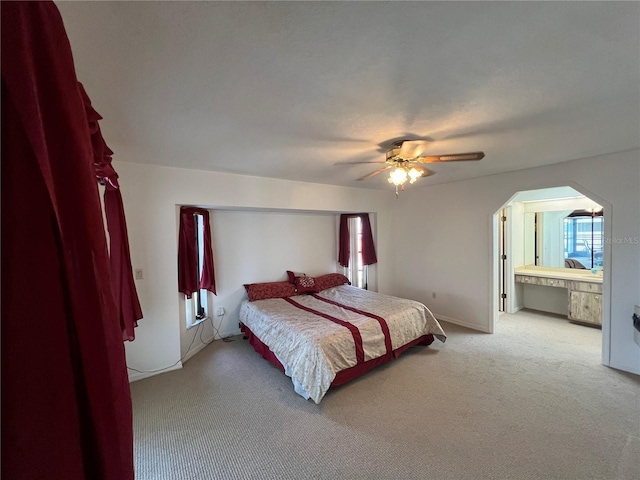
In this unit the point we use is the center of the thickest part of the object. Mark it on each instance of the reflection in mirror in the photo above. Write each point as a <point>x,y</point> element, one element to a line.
<point>583,239</point>
<point>564,238</point>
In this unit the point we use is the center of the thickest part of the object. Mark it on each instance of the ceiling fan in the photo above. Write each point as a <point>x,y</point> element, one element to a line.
<point>405,159</point>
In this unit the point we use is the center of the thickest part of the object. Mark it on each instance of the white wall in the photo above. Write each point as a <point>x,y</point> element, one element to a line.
<point>519,246</point>
<point>450,226</point>
<point>552,251</point>
<point>151,195</point>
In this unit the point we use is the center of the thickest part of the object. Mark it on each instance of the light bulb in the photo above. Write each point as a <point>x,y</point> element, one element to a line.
<point>398,176</point>
<point>414,174</point>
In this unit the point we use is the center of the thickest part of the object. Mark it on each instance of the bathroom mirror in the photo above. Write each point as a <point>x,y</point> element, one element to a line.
<point>564,238</point>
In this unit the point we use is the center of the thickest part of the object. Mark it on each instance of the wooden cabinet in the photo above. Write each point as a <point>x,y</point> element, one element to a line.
<point>585,303</point>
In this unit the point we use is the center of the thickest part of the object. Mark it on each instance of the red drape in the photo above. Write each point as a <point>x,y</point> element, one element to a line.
<point>121,273</point>
<point>368,247</point>
<point>122,282</point>
<point>66,405</point>
<point>208,280</point>
<point>187,262</point>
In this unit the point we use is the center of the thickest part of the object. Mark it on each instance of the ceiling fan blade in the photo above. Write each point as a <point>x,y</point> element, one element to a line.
<point>454,157</point>
<point>413,148</point>
<point>372,174</point>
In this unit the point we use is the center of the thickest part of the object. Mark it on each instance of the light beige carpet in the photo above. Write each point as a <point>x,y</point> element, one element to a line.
<point>529,402</point>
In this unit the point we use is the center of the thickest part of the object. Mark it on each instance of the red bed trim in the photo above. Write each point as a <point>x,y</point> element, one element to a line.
<point>355,333</point>
<point>343,376</point>
<point>379,319</point>
<point>260,347</point>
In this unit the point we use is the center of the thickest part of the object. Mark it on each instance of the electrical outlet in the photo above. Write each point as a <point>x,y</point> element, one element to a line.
<point>219,311</point>
<point>139,274</point>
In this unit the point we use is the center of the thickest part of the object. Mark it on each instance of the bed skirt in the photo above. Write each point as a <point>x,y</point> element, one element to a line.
<point>343,376</point>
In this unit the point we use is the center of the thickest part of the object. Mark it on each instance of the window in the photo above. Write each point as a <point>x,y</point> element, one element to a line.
<point>197,306</point>
<point>583,238</point>
<point>356,272</point>
<point>356,247</point>
<point>195,263</point>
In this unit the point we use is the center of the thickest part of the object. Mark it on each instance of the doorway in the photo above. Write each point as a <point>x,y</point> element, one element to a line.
<point>539,227</point>
<point>502,260</point>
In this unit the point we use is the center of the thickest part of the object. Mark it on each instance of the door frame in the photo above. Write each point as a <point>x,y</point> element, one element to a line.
<point>607,209</point>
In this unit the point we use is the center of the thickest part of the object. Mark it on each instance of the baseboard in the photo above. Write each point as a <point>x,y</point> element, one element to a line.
<point>462,323</point>
<point>135,376</point>
<point>518,308</point>
<point>192,352</point>
<point>626,368</point>
<point>231,333</point>
<point>202,345</point>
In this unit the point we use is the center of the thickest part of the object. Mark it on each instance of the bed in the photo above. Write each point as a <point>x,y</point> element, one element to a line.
<point>325,338</point>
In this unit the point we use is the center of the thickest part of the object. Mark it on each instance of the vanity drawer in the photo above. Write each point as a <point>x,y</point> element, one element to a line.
<point>544,281</point>
<point>552,282</point>
<point>526,279</point>
<point>586,287</point>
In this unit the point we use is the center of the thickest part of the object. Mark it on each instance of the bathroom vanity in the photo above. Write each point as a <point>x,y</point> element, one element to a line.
<point>583,289</point>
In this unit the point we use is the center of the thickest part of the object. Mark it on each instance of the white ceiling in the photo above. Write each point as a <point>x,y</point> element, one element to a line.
<point>292,89</point>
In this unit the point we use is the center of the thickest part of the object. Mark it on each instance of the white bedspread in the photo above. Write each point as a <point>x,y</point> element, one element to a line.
<point>313,349</point>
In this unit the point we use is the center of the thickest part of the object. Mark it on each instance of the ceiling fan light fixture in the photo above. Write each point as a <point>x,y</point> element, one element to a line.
<point>414,174</point>
<point>405,158</point>
<point>398,176</point>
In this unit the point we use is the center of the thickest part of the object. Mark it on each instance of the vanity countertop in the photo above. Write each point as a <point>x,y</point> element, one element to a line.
<point>577,274</point>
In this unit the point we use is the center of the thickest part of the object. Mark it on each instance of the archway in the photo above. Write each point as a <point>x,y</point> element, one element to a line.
<point>568,198</point>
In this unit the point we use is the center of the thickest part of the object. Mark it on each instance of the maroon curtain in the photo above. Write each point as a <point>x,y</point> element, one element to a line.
<point>344,241</point>
<point>66,405</point>
<point>121,272</point>
<point>208,280</point>
<point>122,283</point>
<point>368,247</point>
<point>187,254</point>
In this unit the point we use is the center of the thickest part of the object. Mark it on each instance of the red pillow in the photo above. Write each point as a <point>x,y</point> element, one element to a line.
<point>292,275</point>
<point>261,291</point>
<point>330,280</point>
<point>306,285</point>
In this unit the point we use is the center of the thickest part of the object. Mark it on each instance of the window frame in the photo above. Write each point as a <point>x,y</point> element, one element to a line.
<point>356,272</point>
<point>197,307</point>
